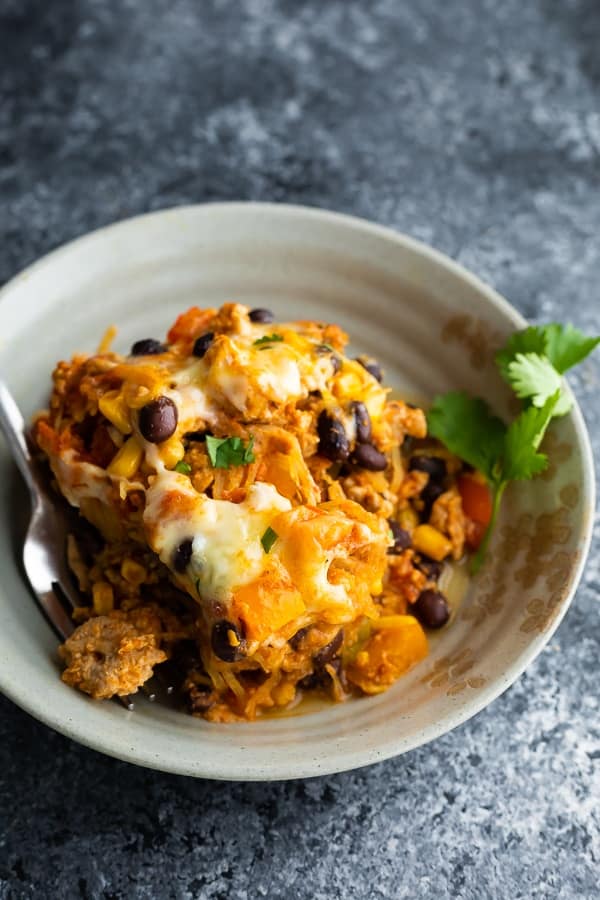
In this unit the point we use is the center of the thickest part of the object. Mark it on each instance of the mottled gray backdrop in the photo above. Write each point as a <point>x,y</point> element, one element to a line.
<point>473,125</point>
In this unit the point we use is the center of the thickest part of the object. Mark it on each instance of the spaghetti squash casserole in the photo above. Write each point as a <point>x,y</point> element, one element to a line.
<point>259,518</point>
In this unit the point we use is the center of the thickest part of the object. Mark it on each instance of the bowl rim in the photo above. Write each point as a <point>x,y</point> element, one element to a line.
<point>353,758</point>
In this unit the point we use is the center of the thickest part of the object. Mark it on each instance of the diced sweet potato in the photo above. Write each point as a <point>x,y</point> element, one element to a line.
<point>397,644</point>
<point>266,605</point>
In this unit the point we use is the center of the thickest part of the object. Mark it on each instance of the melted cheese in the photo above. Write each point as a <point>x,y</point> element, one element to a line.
<point>243,370</point>
<point>226,549</point>
<point>84,481</point>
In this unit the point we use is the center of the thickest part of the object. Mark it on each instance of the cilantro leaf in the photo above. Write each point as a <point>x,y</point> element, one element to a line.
<point>183,468</point>
<point>267,339</point>
<point>566,346</point>
<point>534,376</point>
<point>469,429</point>
<point>521,459</point>
<point>529,340</point>
<point>226,452</point>
<point>268,539</point>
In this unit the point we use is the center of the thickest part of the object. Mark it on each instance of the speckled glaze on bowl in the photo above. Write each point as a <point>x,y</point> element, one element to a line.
<point>434,327</point>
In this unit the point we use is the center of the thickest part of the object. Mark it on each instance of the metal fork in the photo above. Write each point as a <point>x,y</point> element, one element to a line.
<point>44,549</point>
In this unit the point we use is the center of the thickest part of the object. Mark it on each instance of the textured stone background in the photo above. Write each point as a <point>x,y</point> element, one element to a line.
<point>473,125</point>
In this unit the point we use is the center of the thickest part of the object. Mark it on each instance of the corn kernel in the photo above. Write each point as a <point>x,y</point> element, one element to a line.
<point>104,600</point>
<point>408,519</point>
<point>136,395</point>
<point>171,452</point>
<point>113,407</point>
<point>232,638</point>
<point>132,571</point>
<point>128,459</point>
<point>428,540</point>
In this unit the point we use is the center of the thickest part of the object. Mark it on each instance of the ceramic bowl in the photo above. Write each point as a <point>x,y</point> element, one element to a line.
<point>434,327</point>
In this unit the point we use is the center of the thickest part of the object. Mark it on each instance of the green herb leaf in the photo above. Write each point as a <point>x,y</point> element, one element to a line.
<point>268,539</point>
<point>267,339</point>
<point>529,340</point>
<point>566,346</point>
<point>469,429</point>
<point>533,376</point>
<point>324,348</point>
<point>523,437</point>
<point>226,452</point>
<point>183,468</point>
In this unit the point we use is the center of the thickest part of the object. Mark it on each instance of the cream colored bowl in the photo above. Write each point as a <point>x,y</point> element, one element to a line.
<point>434,327</point>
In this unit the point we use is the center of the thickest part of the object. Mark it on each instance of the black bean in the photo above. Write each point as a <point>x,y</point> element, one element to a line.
<point>202,343</point>
<point>148,347</point>
<point>431,609</point>
<point>182,555</point>
<point>297,638</point>
<point>429,495</point>
<point>261,315</point>
<point>333,440</point>
<point>368,457</point>
<point>199,436</point>
<point>372,367</point>
<point>362,420</point>
<point>326,653</point>
<point>221,643</point>
<point>433,465</point>
<point>430,567</point>
<point>158,420</point>
<point>326,656</point>
<point>401,537</point>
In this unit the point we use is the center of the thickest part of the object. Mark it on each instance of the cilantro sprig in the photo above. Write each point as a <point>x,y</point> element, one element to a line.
<point>231,451</point>
<point>533,362</point>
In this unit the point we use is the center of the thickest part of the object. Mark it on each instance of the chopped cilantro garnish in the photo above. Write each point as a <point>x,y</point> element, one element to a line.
<point>532,362</point>
<point>226,452</point>
<point>268,539</point>
<point>267,339</point>
<point>183,468</point>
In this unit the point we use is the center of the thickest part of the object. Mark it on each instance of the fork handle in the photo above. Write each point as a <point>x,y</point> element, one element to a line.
<point>12,426</point>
